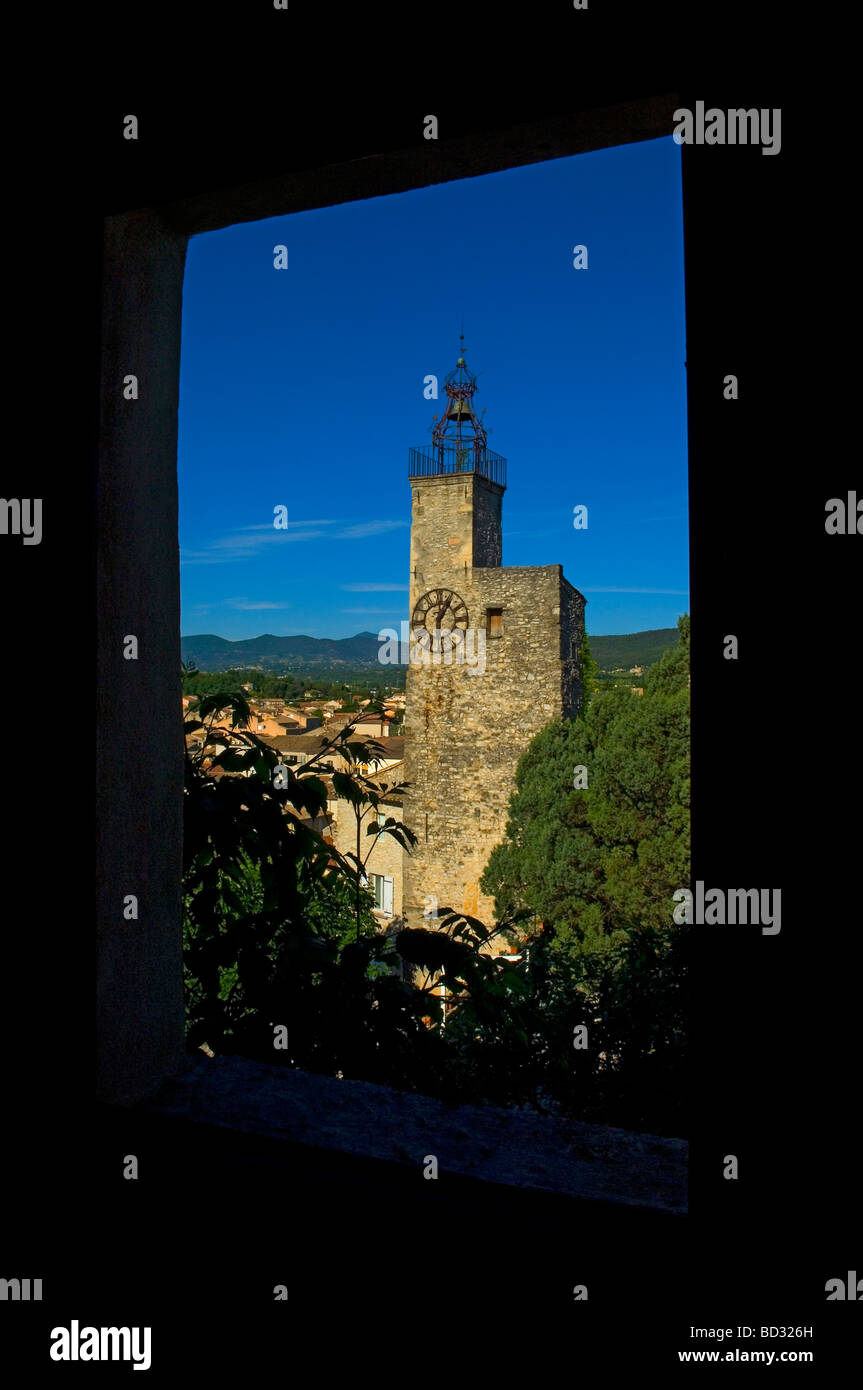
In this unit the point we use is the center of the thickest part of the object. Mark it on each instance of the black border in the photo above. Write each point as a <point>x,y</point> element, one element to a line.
<point>773,750</point>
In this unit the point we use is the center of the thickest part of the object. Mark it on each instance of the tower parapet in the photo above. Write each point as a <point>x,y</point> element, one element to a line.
<point>459,438</point>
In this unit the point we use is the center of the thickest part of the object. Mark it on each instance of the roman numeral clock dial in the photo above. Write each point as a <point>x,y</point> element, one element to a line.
<point>441,610</point>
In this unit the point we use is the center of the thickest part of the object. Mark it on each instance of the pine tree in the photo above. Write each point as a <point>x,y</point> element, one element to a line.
<point>596,862</point>
<point>589,675</point>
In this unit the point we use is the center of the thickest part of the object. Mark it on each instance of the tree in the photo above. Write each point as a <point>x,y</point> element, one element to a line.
<point>592,861</point>
<point>264,895</point>
<point>365,797</point>
<point>589,871</point>
<point>278,927</point>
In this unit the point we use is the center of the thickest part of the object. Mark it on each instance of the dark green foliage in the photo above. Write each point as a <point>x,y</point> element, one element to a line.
<point>267,901</point>
<point>591,862</point>
<point>589,675</point>
<point>591,873</point>
<point>278,927</point>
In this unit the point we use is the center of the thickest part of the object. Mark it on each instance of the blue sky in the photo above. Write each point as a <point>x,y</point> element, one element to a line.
<point>304,388</point>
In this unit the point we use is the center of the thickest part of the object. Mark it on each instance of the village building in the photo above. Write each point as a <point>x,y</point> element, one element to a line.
<point>385,863</point>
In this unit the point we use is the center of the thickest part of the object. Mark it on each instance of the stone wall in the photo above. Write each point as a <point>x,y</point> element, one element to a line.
<point>455,524</point>
<point>465,731</point>
<point>487,504</point>
<point>572,607</point>
<point>139,984</point>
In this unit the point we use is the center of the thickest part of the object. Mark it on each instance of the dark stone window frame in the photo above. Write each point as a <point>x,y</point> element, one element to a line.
<point>140,1009</point>
<point>494,623</point>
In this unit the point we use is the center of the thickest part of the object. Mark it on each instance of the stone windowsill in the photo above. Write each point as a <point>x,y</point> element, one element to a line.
<point>517,1149</point>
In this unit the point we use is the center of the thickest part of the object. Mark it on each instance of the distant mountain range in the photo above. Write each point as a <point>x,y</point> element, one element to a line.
<point>211,653</point>
<point>322,655</point>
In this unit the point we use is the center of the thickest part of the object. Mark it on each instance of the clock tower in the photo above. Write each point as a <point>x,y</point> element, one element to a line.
<point>495,656</point>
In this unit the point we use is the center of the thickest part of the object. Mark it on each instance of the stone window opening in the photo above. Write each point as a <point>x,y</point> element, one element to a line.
<point>382,887</point>
<point>494,622</point>
<point>141,1031</point>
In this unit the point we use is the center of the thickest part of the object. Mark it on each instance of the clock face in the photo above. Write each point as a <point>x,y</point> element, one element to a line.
<point>442,610</point>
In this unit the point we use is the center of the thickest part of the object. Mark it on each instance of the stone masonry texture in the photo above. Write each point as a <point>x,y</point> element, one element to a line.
<point>465,731</point>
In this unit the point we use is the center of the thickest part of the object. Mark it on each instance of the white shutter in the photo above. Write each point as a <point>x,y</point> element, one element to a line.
<point>388,896</point>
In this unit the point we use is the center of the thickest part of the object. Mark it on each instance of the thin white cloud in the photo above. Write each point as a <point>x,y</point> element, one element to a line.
<point>369,528</point>
<point>227,550</point>
<point>246,542</point>
<point>388,611</point>
<point>374,588</point>
<point>681,592</point>
<point>268,525</point>
<point>270,537</point>
<point>252,607</point>
<point>203,557</point>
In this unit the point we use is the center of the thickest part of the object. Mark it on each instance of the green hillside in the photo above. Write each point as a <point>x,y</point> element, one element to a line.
<point>631,648</point>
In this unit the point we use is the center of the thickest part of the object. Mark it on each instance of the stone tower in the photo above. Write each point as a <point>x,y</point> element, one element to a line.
<point>495,655</point>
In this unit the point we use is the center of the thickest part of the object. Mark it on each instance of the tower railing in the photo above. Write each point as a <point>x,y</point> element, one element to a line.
<point>430,460</point>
